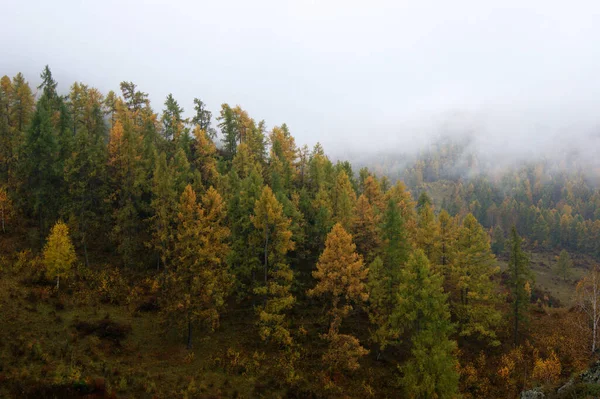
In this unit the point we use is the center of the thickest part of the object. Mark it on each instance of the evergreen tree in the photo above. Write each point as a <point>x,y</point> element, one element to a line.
<point>446,245</point>
<point>199,282</point>
<point>126,177</point>
<point>498,241</point>
<point>423,313</point>
<point>343,201</point>
<point>395,243</point>
<point>273,234</point>
<point>426,229</point>
<point>164,205</point>
<point>563,265</point>
<point>85,169</point>
<point>244,257</point>
<point>473,290</point>
<point>520,282</point>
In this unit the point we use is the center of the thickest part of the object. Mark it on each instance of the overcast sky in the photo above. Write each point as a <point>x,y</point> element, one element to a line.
<point>351,74</point>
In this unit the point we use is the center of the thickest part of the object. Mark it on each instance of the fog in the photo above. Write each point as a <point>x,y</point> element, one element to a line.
<point>519,77</point>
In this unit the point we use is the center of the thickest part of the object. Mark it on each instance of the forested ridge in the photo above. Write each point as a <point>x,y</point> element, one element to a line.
<point>148,254</point>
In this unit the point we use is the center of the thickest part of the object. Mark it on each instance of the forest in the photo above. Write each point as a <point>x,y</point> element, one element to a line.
<point>148,254</point>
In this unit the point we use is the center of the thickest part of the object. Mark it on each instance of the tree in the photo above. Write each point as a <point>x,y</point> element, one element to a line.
<point>396,247</point>
<point>85,169</point>
<point>422,312</point>
<point>588,301</point>
<point>383,299</point>
<point>426,228</point>
<point>520,281</point>
<point>126,177</point>
<point>498,241</point>
<point>164,205</point>
<point>343,199</point>
<point>204,157</point>
<point>245,256</point>
<point>341,278</point>
<point>367,233</point>
<point>563,265</point>
<point>172,120</point>
<point>6,208</point>
<point>59,253</point>
<point>203,118</point>
<point>42,169</point>
<point>473,290</point>
<point>199,282</point>
<point>446,245</point>
<point>274,235</point>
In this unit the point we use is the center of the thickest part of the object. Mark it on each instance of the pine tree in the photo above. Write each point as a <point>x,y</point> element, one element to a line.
<point>422,312</point>
<point>199,281</point>
<point>473,290</point>
<point>59,253</point>
<point>274,236</point>
<point>341,278</point>
<point>520,282</point>
<point>563,265</point>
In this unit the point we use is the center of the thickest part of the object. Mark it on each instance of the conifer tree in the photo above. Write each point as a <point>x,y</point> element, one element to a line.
<point>426,229</point>
<point>59,253</point>
<point>423,313</point>
<point>403,199</point>
<point>473,290</point>
<point>341,278</point>
<point>563,265</point>
<point>520,282</point>
<point>204,157</point>
<point>343,200</point>
<point>245,256</point>
<point>446,244</point>
<point>85,169</point>
<point>164,205</point>
<point>372,191</point>
<point>127,177</point>
<point>199,281</point>
<point>395,243</point>
<point>274,236</point>
<point>366,229</point>
<point>172,120</point>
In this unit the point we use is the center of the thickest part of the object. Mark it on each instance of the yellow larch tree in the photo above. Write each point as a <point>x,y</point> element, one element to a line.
<point>59,253</point>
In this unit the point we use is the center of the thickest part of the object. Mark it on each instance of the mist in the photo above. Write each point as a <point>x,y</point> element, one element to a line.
<point>520,79</point>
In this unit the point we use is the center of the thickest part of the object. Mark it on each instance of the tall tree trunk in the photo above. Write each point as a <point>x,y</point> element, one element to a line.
<point>57,282</point>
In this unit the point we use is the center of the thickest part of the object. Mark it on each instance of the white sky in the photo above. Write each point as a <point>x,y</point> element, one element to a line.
<point>354,75</point>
